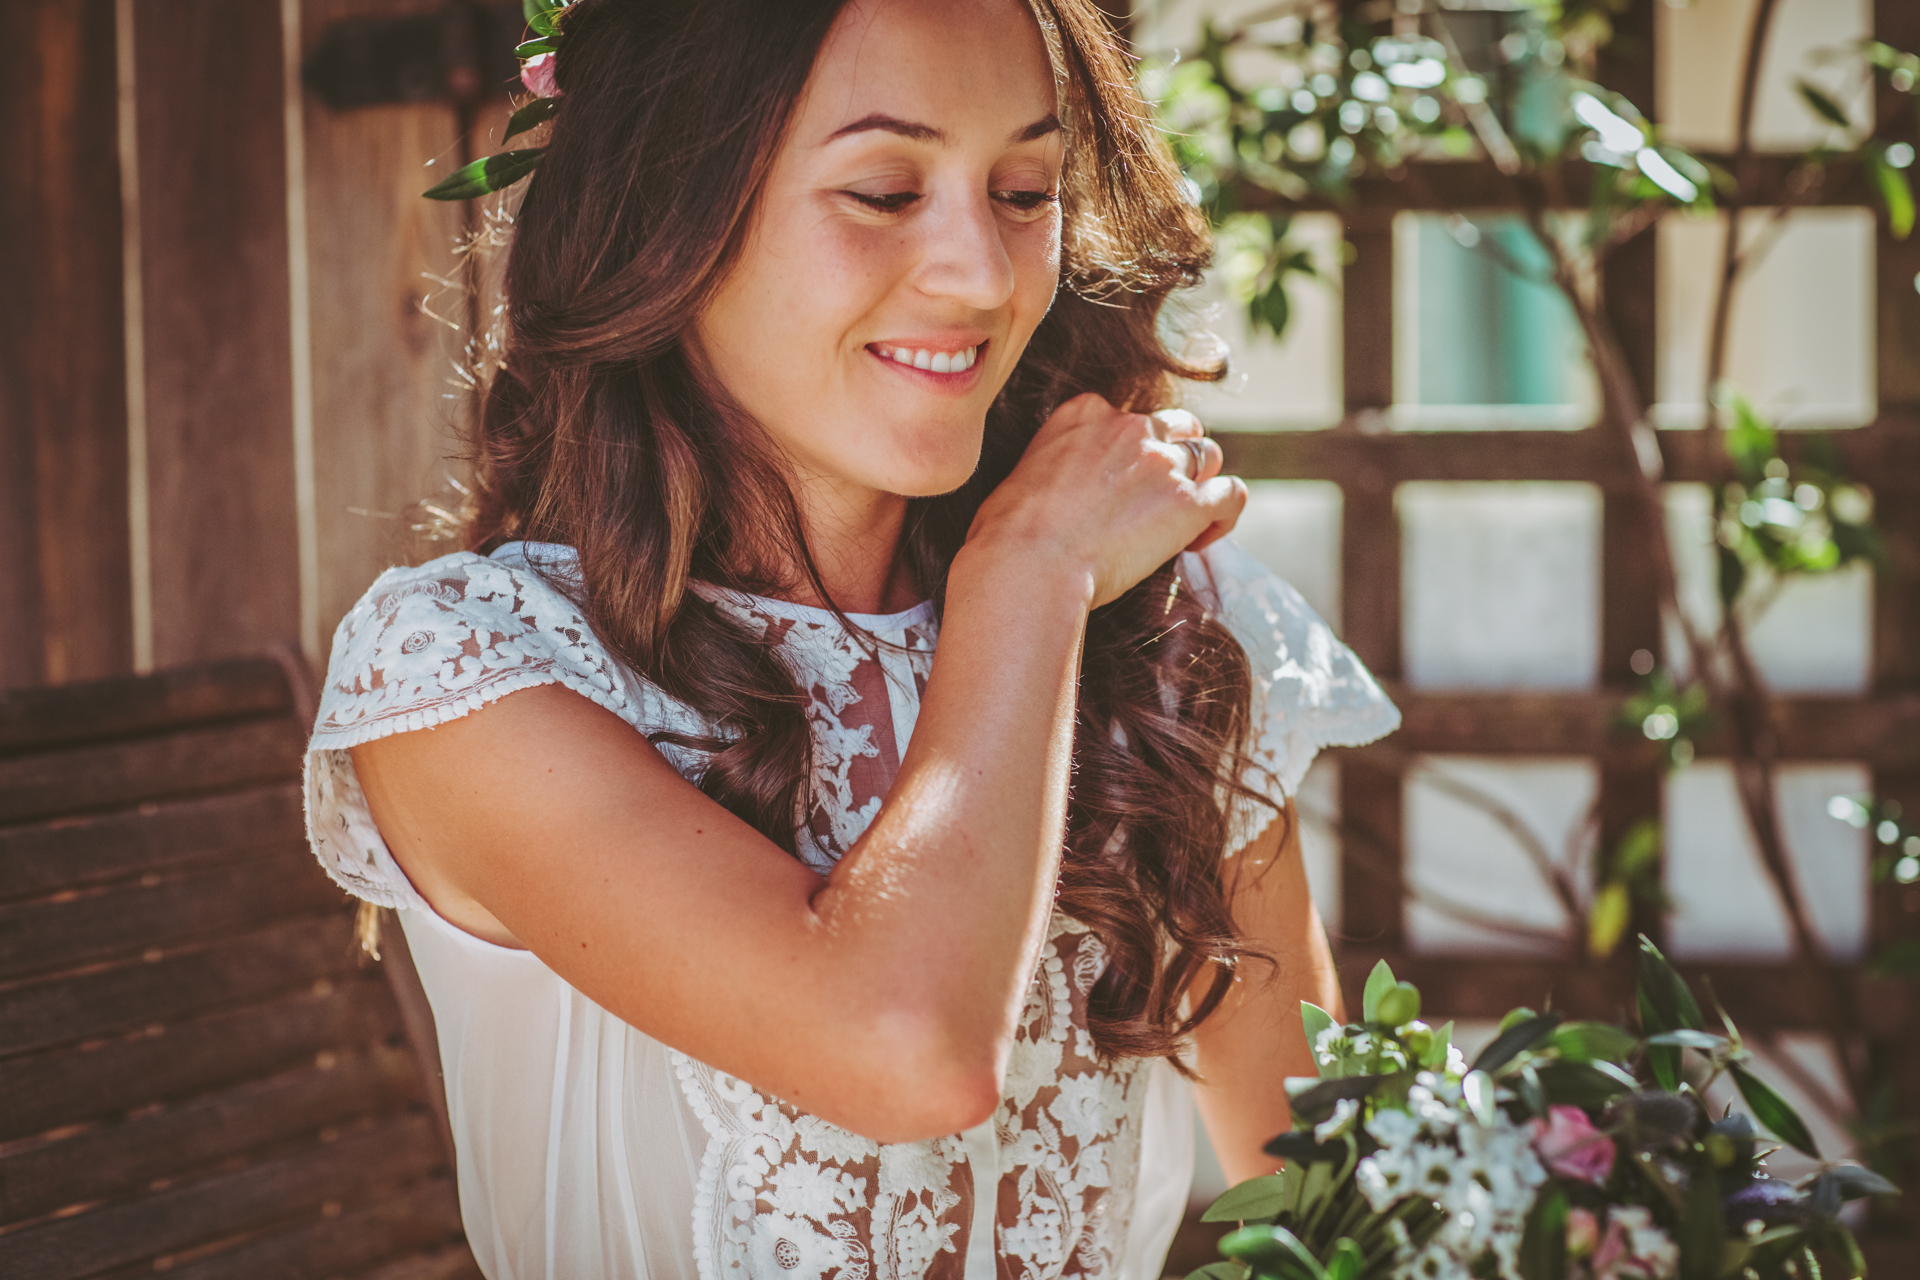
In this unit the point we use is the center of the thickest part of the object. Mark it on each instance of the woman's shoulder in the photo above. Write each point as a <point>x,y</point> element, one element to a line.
<point>1309,690</point>
<point>432,642</point>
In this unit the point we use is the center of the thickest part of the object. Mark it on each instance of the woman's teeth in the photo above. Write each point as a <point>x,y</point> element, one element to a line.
<point>933,361</point>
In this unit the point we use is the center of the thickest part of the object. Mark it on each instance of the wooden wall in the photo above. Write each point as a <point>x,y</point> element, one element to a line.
<point>288,398</point>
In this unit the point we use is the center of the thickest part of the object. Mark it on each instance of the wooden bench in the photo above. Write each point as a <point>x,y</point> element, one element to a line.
<point>200,1072</point>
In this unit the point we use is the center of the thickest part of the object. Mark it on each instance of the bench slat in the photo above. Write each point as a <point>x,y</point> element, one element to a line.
<point>452,1263</point>
<point>119,774</point>
<point>161,909</point>
<point>358,1166</point>
<point>392,1230</point>
<point>113,1159</point>
<point>68,852</point>
<point>69,1086</point>
<point>44,1012</point>
<point>37,718</point>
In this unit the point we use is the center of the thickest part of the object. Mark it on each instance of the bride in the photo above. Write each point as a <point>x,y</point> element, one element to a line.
<point>839,805</point>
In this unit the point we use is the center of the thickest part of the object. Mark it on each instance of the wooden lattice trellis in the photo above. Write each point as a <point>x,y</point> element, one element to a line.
<point>1369,461</point>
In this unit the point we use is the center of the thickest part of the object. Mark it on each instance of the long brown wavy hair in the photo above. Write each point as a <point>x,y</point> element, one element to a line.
<point>601,431</point>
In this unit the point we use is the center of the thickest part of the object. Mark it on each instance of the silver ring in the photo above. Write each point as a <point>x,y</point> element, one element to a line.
<point>1197,453</point>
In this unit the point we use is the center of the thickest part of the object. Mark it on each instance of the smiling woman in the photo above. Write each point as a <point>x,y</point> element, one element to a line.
<point>832,518</point>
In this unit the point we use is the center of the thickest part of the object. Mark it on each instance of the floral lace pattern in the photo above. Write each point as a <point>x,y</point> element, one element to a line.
<point>1043,1190</point>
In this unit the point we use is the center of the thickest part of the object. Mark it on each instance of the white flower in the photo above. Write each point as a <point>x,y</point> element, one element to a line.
<point>1392,1127</point>
<point>1340,1123</point>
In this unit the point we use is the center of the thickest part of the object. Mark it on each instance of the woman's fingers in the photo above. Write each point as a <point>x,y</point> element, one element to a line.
<point>1225,497</point>
<point>1176,424</point>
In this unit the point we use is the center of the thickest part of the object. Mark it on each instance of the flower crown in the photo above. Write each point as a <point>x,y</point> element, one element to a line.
<point>498,172</point>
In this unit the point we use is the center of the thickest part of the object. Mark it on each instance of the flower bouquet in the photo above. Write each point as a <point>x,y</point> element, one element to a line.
<point>1564,1151</point>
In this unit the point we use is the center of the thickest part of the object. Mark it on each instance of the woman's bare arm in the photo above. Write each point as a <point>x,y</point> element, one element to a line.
<point>1254,1040</point>
<point>884,997</point>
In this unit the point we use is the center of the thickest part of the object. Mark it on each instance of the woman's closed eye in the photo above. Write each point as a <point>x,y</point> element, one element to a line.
<point>1021,202</point>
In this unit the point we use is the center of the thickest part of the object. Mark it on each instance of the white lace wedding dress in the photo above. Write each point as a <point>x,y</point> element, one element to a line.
<point>588,1151</point>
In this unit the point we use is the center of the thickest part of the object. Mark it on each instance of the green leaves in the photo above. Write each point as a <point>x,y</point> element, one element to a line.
<point>1543,1247</point>
<point>1822,105</point>
<point>1252,1200</point>
<point>1379,982</point>
<point>1583,1084</point>
<point>1896,191</point>
<point>1773,1112</point>
<point>1314,1020</point>
<point>491,174</point>
<point>1593,1042</point>
<point>1273,1251</point>
<point>1666,993</point>
<point>534,48</point>
<point>1515,1040</point>
<point>535,113</point>
<point>542,15</point>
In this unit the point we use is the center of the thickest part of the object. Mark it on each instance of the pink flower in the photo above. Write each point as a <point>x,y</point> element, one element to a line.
<point>536,73</point>
<point>1571,1147</point>
<point>1583,1233</point>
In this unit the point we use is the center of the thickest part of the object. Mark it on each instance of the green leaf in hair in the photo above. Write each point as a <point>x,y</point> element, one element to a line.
<point>535,113</point>
<point>491,174</point>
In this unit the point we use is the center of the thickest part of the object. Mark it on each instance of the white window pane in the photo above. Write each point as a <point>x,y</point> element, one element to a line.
<point>1500,585</point>
<point>1318,805</point>
<point>1814,634</point>
<point>1293,382</point>
<point>1801,341</point>
<point>1700,48</point>
<point>1476,345</point>
<point>1462,850</point>
<point>1724,904</point>
<point>1293,526</point>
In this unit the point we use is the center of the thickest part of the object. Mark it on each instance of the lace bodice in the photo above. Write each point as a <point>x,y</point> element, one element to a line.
<point>771,1191</point>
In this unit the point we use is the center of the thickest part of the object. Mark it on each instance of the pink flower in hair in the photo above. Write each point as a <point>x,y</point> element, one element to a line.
<point>1571,1147</point>
<point>536,73</point>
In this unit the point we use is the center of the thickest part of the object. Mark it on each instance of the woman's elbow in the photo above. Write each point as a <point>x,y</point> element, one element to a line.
<point>934,1085</point>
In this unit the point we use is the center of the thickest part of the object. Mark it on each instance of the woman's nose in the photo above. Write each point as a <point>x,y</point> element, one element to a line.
<point>963,256</point>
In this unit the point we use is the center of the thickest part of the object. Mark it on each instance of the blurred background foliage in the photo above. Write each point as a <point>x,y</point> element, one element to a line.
<point>1286,107</point>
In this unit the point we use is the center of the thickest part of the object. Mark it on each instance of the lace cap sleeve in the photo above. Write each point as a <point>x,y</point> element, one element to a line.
<point>1309,690</point>
<point>431,644</point>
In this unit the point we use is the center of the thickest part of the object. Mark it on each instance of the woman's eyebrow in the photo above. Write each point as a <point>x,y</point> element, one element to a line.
<point>1040,128</point>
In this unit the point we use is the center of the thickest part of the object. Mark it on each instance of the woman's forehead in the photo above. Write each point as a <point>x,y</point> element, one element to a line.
<point>953,67</point>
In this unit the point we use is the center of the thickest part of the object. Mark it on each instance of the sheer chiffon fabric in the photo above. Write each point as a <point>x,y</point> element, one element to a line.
<point>587,1149</point>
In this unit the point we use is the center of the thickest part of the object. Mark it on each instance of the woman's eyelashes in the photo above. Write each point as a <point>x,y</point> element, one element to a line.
<point>1026,203</point>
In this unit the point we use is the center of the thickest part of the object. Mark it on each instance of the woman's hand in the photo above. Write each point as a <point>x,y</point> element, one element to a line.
<point>1115,495</point>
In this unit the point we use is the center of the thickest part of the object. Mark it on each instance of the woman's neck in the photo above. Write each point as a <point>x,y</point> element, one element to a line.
<point>854,534</point>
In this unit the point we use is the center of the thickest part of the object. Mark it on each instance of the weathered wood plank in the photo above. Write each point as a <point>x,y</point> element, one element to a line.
<point>1885,455</point>
<point>391,1231</point>
<point>160,1062</point>
<point>359,1165</point>
<point>65,603</point>
<point>1758,995</point>
<point>1442,186</point>
<point>453,1263</point>
<point>384,426</point>
<point>68,852</point>
<point>218,327</point>
<point>77,779</point>
<point>111,1160</point>
<point>1884,730</point>
<point>37,719</point>
<point>44,1012</point>
<point>37,936</point>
